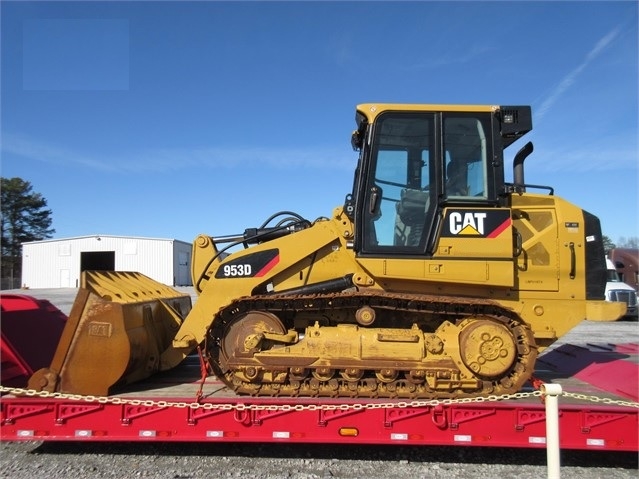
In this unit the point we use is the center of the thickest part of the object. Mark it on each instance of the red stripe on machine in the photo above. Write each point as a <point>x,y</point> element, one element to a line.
<point>500,229</point>
<point>269,266</point>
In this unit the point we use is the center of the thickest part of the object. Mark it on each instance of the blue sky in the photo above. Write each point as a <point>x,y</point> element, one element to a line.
<point>170,119</point>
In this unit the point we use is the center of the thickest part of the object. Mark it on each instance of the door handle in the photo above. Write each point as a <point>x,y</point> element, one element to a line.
<point>573,261</point>
<point>374,200</point>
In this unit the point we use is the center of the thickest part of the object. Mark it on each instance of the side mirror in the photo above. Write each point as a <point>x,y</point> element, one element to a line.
<point>356,140</point>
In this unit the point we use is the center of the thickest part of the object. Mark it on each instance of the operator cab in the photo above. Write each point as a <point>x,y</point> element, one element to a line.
<point>415,160</point>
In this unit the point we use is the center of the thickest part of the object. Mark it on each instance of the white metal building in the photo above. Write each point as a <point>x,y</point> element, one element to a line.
<point>57,263</point>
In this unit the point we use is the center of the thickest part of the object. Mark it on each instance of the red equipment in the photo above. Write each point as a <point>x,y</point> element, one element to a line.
<point>31,330</point>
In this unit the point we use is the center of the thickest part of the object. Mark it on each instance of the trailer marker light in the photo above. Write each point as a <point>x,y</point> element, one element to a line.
<point>399,437</point>
<point>462,438</point>
<point>536,440</point>
<point>83,433</point>
<point>596,442</point>
<point>281,435</point>
<point>214,433</point>
<point>25,433</point>
<point>482,438</point>
<point>147,433</point>
<point>348,431</point>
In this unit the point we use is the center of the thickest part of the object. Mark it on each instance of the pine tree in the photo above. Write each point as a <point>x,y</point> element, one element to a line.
<point>24,218</point>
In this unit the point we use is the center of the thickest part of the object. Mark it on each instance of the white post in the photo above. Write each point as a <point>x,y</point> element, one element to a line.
<point>551,394</point>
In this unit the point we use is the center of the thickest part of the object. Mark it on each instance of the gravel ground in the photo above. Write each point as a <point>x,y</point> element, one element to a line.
<point>195,460</point>
<point>198,460</point>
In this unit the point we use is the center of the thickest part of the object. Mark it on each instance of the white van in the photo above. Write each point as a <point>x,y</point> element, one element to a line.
<point>617,290</point>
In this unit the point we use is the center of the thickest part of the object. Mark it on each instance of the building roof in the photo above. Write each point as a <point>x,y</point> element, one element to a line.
<point>53,240</point>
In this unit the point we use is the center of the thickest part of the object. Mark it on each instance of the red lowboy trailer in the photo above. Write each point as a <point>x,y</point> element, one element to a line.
<point>599,410</point>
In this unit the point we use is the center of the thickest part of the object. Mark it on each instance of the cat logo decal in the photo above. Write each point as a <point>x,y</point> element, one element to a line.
<point>486,223</point>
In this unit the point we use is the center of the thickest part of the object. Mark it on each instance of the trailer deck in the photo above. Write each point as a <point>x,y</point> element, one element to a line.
<point>599,408</point>
<point>166,409</point>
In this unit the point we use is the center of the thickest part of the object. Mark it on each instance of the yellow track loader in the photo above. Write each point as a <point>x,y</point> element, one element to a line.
<point>435,279</point>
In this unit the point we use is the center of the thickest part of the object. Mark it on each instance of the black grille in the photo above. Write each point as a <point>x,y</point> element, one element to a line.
<point>624,296</point>
<point>596,276</point>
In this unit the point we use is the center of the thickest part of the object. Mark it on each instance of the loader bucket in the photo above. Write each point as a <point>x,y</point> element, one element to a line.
<point>119,325</point>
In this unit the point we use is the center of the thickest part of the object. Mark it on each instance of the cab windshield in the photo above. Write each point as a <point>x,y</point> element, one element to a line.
<point>411,174</point>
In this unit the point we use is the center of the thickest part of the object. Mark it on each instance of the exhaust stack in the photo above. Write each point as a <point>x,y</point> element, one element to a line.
<point>518,166</point>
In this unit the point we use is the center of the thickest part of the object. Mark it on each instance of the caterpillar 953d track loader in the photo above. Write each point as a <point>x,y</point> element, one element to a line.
<point>435,279</point>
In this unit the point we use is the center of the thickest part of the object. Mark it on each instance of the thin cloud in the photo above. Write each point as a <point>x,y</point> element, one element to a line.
<point>440,61</point>
<point>622,157</point>
<point>25,148</point>
<point>174,159</point>
<point>235,158</point>
<point>570,79</point>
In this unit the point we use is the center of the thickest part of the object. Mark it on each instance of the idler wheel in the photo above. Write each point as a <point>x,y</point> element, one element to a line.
<point>244,332</point>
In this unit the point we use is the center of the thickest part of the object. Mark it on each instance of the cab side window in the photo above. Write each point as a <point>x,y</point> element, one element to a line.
<point>466,156</point>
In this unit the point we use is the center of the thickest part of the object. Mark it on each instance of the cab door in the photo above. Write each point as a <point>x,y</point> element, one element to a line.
<point>397,212</point>
<point>430,205</point>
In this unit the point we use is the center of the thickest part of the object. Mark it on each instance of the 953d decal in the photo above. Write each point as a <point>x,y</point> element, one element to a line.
<point>476,223</point>
<point>253,265</point>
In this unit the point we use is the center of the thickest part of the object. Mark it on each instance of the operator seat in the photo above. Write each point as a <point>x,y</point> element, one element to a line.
<point>411,216</point>
<point>456,184</point>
